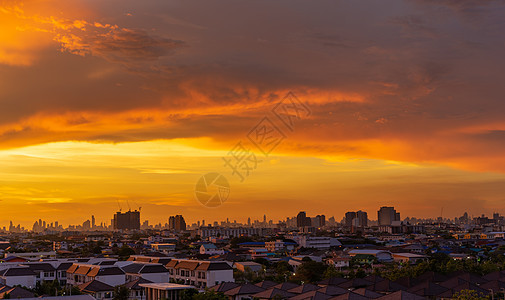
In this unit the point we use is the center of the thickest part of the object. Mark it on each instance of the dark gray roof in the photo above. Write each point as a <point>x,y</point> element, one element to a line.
<point>271,293</point>
<point>16,292</point>
<point>64,266</point>
<point>401,295</point>
<point>312,295</point>
<point>213,266</point>
<point>17,272</point>
<point>266,284</point>
<point>132,268</point>
<point>144,268</point>
<point>245,289</point>
<point>95,286</point>
<point>44,267</point>
<point>224,286</point>
<point>134,285</point>
<point>153,268</point>
<point>107,263</point>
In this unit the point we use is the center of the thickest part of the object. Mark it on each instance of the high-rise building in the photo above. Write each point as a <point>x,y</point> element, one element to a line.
<point>129,220</point>
<point>387,215</point>
<point>171,223</point>
<point>176,223</point>
<point>349,217</point>
<point>93,224</point>
<point>302,220</point>
<point>362,217</point>
<point>180,224</point>
<point>321,220</point>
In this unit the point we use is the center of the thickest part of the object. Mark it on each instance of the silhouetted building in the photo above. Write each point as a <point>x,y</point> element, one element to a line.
<point>176,223</point>
<point>180,224</point>
<point>349,217</point>
<point>362,217</point>
<point>302,220</point>
<point>129,220</point>
<point>321,219</point>
<point>387,215</point>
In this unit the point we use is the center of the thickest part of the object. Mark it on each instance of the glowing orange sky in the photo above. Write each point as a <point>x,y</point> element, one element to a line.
<point>127,100</point>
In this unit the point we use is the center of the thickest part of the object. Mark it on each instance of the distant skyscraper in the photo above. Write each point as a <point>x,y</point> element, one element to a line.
<point>93,224</point>
<point>302,220</point>
<point>321,220</point>
<point>387,215</point>
<point>129,220</point>
<point>180,224</point>
<point>171,223</point>
<point>349,216</point>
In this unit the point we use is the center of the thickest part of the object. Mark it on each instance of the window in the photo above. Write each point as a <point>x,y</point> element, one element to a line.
<point>193,273</point>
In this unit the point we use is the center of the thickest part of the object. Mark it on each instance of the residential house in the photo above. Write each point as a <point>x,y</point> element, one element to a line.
<point>148,271</point>
<point>22,276</point>
<point>199,273</point>
<point>210,249</point>
<point>97,289</point>
<point>78,274</point>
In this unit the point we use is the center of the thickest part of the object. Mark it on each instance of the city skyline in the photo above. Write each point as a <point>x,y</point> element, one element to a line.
<point>94,224</point>
<point>398,103</point>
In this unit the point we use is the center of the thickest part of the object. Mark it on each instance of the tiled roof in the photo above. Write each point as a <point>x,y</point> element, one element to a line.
<point>350,296</point>
<point>266,284</point>
<point>213,266</point>
<point>245,289</point>
<point>401,295</point>
<point>287,286</point>
<point>273,292</point>
<point>104,271</point>
<point>64,266</point>
<point>186,264</point>
<point>17,272</point>
<point>44,267</point>
<point>312,295</point>
<point>95,286</point>
<point>134,285</point>
<point>304,288</point>
<point>224,286</point>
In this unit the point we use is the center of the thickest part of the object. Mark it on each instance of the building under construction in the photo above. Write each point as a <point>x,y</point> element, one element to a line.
<point>129,220</point>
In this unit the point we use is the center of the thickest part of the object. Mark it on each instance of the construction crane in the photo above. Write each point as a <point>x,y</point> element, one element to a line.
<point>137,205</point>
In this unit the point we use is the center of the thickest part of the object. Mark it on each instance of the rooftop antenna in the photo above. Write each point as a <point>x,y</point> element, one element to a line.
<point>118,205</point>
<point>128,203</point>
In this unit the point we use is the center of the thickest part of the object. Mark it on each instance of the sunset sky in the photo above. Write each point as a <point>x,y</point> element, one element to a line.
<point>133,101</point>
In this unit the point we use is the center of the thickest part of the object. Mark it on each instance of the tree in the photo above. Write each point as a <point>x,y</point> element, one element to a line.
<point>188,294</point>
<point>121,292</point>
<point>51,288</point>
<point>125,251</point>
<point>283,271</point>
<point>331,272</point>
<point>468,295</point>
<point>210,295</point>
<point>309,271</point>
